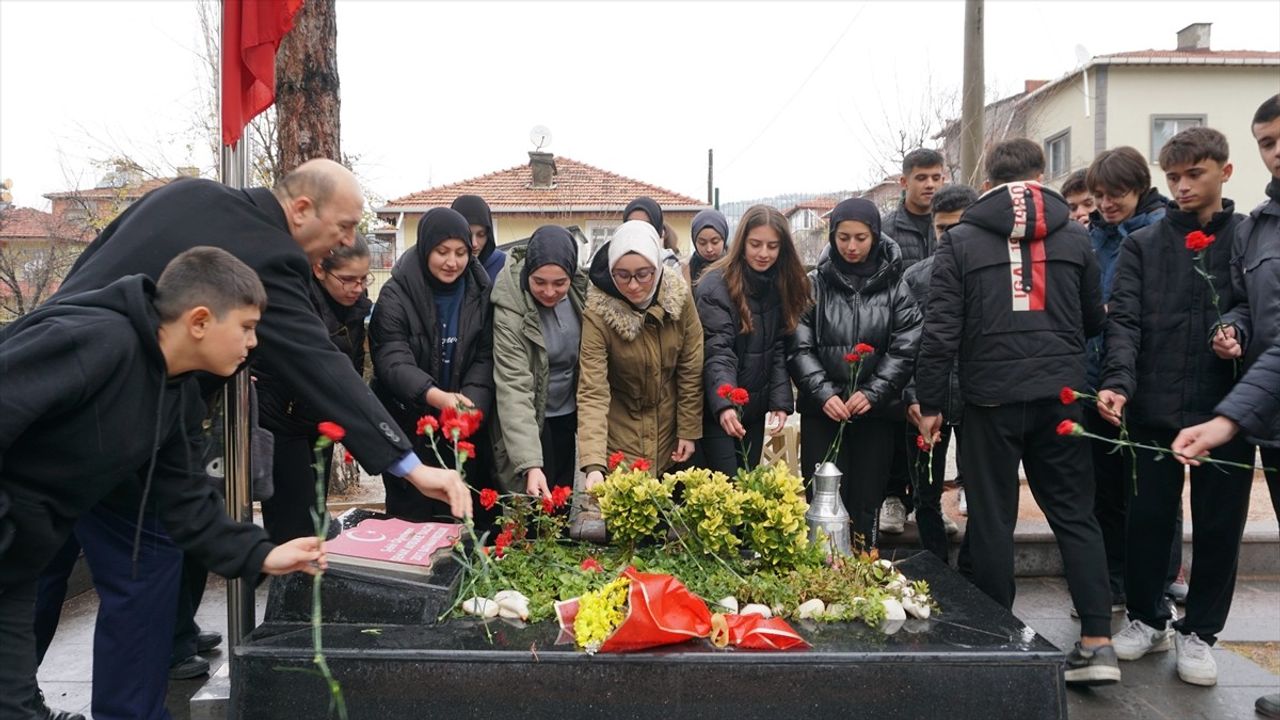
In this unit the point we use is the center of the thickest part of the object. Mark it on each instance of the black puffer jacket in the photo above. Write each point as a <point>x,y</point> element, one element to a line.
<point>283,412</point>
<point>1255,282</point>
<point>1015,292</point>
<point>1254,402</point>
<point>881,314</point>
<point>914,246</point>
<point>403,338</point>
<point>918,278</point>
<point>755,361</point>
<point>1159,316</point>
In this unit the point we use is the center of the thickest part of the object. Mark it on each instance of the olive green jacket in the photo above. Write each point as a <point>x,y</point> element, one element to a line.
<point>520,374</point>
<point>640,376</point>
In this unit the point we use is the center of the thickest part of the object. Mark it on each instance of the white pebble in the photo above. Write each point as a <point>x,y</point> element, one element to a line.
<point>811,608</point>
<point>757,609</point>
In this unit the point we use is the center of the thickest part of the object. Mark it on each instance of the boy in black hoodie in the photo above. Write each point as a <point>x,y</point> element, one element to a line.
<point>95,391</point>
<point>1015,292</point>
<point>1161,375</point>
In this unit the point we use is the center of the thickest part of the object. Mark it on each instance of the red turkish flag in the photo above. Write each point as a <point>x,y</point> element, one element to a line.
<point>251,34</point>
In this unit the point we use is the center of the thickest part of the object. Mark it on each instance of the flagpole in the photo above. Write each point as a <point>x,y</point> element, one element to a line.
<point>233,168</point>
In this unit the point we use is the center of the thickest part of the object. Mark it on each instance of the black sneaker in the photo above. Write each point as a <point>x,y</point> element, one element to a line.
<point>1092,666</point>
<point>192,667</point>
<point>1268,705</point>
<point>207,640</point>
<point>44,712</point>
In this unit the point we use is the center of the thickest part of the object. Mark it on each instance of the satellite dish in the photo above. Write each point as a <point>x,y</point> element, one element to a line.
<point>1082,55</point>
<point>540,136</point>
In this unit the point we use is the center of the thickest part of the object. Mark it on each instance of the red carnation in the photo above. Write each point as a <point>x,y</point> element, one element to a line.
<point>501,542</point>
<point>1197,241</point>
<point>591,565</point>
<point>640,464</point>
<point>560,495</point>
<point>331,430</point>
<point>739,396</point>
<point>1068,427</point>
<point>921,444</point>
<point>488,498</point>
<point>427,425</point>
<point>724,390</point>
<point>466,449</point>
<point>616,459</point>
<point>347,457</point>
<point>852,357</point>
<point>864,349</point>
<point>1067,395</point>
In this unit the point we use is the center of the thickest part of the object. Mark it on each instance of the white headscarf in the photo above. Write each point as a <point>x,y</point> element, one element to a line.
<point>639,237</point>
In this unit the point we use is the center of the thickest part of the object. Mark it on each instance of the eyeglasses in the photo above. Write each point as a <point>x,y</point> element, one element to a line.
<point>352,283</point>
<point>642,276</point>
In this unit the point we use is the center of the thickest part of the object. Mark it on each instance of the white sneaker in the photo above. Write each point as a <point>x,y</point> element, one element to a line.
<point>1195,660</point>
<point>893,516</point>
<point>1137,639</point>
<point>949,524</point>
<point>963,503</point>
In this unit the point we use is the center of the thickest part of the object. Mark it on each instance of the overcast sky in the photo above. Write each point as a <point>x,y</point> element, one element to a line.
<point>791,95</point>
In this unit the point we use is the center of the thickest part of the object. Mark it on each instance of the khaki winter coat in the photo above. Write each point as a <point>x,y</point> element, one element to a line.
<point>520,373</point>
<point>640,378</point>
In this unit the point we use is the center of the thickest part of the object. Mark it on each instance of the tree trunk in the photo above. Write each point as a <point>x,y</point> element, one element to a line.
<point>307,103</point>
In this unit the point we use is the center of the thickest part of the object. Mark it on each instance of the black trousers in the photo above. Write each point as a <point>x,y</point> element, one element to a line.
<point>927,480</point>
<point>1219,508</point>
<point>899,483</point>
<point>723,453</point>
<point>287,514</point>
<point>1060,475</point>
<point>560,449</point>
<point>186,631</point>
<point>18,651</point>
<point>865,455</point>
<point>405,502</point>
<point>1271,459</point>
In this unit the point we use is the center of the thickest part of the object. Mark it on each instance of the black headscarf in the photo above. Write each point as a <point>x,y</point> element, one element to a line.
<point>436,226</point>
<point>864,212</point>
<point>650,207</point>
<point>476,211</point>
<point>715,220</point>
<point>549,245</point>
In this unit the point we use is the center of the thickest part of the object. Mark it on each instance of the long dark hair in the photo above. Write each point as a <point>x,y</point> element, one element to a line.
<point>791,281</point>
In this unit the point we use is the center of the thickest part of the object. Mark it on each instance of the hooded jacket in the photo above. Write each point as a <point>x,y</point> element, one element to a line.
<point>283,412</point>
<point>520,371</point>
<point>919,278</point>
<point>477,212</point>
<point>251,225</point>
<point>640,378</point>
<point>404,342</point>
<point>1158,318</point>
<point>1106,239</point>
<point>756,361</point>
<point>1255,283</point>
<point>879,312</point>
<point>86,409</point>
<point>1015,291</point>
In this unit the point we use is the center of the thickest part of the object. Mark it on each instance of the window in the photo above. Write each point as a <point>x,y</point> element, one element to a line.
<point>599,232</point>
<point>1057,153</point>
<point>1164,127</point>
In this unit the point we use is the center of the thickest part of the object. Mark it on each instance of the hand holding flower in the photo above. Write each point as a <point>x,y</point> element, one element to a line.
<point>1111,406</point>
<point>857,404</point>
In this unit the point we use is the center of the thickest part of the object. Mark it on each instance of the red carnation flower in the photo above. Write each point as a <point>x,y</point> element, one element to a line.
<point>739,396</point>
<point>640,464</point>
<point>331,430</point>
<point>616,459</point>
<point>560,495</point>
<point>466,449</point>
<point>864,349</point>
<point>852,357</point>
<point>488,498</point>
<point>1197,241</point>
<point>1068,427</point>
<point>1067,395</point>
<point>921,444</point>
<point>347,457</point>
<point>427,425</point>
<point>591,565</point>
<point>724,390</point>
<point>548,505</point>
<point>501,542</point>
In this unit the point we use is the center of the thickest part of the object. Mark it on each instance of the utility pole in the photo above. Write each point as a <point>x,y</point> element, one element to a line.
<point>972,121</point>
<point>710,182</point>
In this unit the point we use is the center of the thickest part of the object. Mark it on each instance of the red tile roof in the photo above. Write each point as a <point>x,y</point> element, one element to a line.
<point>29,223</point>
<point>128,192</point>
<point>1195,55</point>
<point>820,205</point>
<point>576,185</point>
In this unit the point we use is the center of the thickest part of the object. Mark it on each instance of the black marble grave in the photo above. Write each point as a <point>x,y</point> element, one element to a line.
<point>973,659</point>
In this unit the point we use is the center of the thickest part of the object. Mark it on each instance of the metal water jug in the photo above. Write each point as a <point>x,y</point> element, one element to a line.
<point>827,511</point>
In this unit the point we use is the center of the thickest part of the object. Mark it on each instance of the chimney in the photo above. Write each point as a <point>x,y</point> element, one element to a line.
<point>1030,86</point>
<point>188,171</point>
<point>543,165</point>
<point>1194,36</point>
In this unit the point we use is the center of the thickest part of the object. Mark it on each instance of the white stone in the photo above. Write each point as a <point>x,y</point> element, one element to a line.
<point>757,609</point>
<point>480,607</point>
<point>811,608</point>
<point>893,609</point>
<point>729,603</point>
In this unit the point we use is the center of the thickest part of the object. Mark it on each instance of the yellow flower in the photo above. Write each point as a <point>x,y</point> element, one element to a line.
<point>600,612</point>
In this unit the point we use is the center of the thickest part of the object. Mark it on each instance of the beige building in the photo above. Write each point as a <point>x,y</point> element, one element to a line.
<point>1142,98</point>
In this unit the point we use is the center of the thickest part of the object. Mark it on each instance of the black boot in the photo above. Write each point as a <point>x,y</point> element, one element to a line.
<point>44,712</point>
